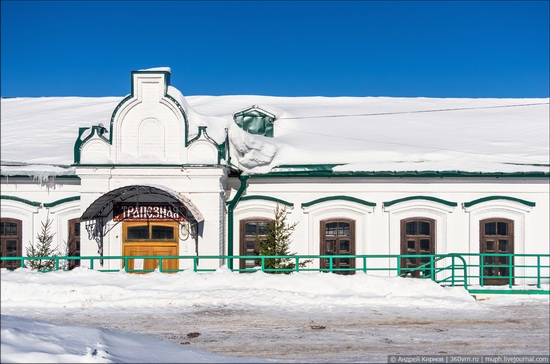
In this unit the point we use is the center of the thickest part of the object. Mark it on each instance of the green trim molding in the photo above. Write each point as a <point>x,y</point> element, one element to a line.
<point>492,198</point>
<point>61,201</point>
<point>230,213</point>
<point>429,198</point>
<point>341,198</point>
<point>97,130</point>
<point>40,204</point>
<point>326,170</point>
<point>22,200</point>
<point>268,198</point>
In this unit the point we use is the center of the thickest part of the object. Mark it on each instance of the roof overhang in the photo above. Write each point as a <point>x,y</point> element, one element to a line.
<point>143,194</point>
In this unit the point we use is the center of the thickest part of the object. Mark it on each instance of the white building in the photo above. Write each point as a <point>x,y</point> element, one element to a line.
<point>161,174</point>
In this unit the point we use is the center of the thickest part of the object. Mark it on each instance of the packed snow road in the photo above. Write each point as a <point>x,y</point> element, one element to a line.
<point>498,326</point>
<point>295,318</point>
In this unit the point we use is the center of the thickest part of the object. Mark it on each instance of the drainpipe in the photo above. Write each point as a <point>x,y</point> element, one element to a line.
<point>230,209</point>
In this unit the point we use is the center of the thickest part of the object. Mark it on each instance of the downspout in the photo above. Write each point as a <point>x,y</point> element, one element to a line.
<point>230,210</point>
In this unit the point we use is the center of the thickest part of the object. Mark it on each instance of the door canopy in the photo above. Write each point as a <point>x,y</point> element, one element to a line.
<point>102,208</point>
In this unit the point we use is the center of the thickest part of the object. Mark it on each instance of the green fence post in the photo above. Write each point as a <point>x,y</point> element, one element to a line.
<point>365,264</point>
<point>160,264</point>
<point>510,270</point>
<point>398,266</point>
<point>481,270</point>
<point>432,266</point>
<point>452,271</point>
<point>91,263</point>
<point>538,271</point>
<point>297,265</point>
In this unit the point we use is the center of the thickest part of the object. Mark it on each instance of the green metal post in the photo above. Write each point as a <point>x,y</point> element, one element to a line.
<point>432,265</point>
<point>510,270</point>
<point>481,270</point>
<point>538,271</point>
<point>91,263</point>
<point>230,211</point>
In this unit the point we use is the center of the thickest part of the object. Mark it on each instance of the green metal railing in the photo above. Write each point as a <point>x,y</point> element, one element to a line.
<point>456,269</point>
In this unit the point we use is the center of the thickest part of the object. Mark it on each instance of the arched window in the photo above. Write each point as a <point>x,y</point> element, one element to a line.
<point>11,242</point>
<point>338,238</point>
<point>252,232</point>
<point>496,240</point>
<point>417,237</point>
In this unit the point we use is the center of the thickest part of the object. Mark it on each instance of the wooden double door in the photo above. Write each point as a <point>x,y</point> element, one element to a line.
<point>150,239</point>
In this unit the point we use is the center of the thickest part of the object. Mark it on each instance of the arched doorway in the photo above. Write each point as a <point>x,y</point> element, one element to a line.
<point>152,218</point>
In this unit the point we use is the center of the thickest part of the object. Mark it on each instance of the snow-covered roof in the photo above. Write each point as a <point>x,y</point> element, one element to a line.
<point>356,134</point>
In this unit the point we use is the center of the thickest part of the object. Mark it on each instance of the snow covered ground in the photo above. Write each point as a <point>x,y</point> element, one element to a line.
<point>89,316</point>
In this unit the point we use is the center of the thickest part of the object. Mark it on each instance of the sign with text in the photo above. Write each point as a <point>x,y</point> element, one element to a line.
<point>134,212</point>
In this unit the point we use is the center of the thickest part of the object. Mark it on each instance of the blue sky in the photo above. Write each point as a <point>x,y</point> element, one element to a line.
<point>281,48</point>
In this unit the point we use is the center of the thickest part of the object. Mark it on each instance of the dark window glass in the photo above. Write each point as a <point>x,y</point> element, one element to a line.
<point>138,232</point>
<point>491,228</point>
<point>251,228</point>
<point>2,229</point>
<point>425,245</point>
<point>344,246</point>
<point>343,229</point>
<point>503,246</point>
<point>331,228</point>
<point>77,229</point>
<point>329,246</point>
<point>162,232</point>
<point>502,228</point>
<point>411,245</point>
<point>11,246</point>
<point>424,228</point>
<point>490,246</point>
<point>262,228</point>
<point>411,228</point>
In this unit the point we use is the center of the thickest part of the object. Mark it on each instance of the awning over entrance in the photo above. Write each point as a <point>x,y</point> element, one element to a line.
<point>97,216</point>
<point>143,194</point>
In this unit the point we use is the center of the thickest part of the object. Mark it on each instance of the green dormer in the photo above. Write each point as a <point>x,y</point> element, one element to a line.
<point>255,121</point>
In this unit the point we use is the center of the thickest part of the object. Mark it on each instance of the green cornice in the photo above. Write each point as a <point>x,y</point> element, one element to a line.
<point>335,198</point>
<point>326,170</point>
<point>22,200</point>
<point>492,198</point>
<point>40,204</point>
<point>429,198</point>
<point>267,198</point>
<point>62,201</point>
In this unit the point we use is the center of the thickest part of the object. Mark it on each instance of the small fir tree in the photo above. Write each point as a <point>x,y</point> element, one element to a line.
<point>277,241</point>
<point>42,248</point>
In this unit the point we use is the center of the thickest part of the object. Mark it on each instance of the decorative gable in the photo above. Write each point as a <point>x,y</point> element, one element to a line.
<point>255,120</point>
<point>149,126</point>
